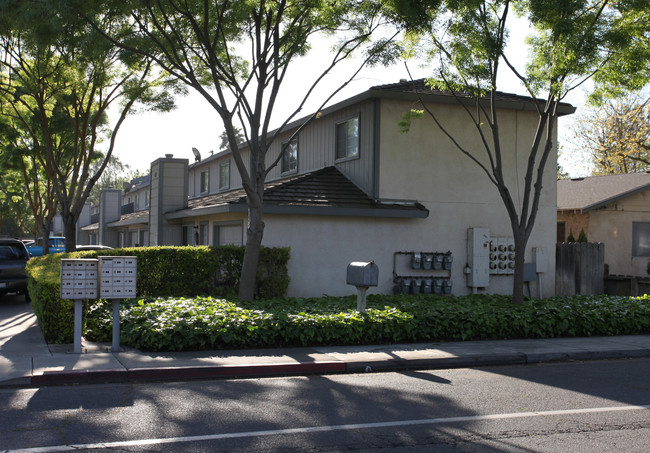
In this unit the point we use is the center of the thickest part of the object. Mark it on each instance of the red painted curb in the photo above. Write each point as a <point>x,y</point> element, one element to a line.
<point>180,373</point>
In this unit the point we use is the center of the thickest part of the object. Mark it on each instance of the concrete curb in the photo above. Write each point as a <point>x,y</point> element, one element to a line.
<point>309,368</point>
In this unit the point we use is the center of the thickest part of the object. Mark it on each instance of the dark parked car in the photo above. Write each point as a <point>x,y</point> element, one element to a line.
<point>13,256</point>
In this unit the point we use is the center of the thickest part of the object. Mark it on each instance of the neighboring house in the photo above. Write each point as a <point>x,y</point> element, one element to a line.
<point>612,209</point>
<point>353,188</point>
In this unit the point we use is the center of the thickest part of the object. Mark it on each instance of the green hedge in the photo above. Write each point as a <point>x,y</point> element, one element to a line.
<point>162,272</point>
<point>208,323</point>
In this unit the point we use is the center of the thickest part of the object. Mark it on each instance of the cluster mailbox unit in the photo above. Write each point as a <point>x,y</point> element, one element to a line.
<point>118,276</point>
<point>109,277</point>
<point>79,279</point>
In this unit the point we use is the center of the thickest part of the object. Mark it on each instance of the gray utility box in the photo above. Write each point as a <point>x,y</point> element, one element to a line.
<point>363,274</point>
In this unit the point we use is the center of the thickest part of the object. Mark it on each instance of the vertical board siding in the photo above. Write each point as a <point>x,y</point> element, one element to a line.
<point>579,268</point>
<point>317,146</point>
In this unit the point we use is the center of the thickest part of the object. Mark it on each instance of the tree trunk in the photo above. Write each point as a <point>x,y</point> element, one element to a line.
<point>254,236</point>
<point>45,234</point>
<point>70,232</point>
<point>518,281</point>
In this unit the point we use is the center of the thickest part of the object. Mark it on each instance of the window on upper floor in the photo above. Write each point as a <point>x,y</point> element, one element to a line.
<point>205,181</point>
<point>640,238</point>
<point>347,138</point>
<point>224,175</point>
<point>146,198</point>
<point>290,157</point>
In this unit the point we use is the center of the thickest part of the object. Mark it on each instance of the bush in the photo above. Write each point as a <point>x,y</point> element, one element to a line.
<point>208,323</point>
<point>162,272</point>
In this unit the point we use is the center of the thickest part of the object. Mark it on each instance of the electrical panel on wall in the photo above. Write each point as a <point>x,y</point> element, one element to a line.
<point>502,255</point>
<point>478,257</point>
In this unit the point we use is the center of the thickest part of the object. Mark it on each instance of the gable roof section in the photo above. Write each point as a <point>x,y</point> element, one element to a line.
<point>419,88</point>
<point>323,192</point>
<point>586,194</point>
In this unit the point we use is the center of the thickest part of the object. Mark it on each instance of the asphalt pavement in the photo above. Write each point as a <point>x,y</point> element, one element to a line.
<point>27,360</point>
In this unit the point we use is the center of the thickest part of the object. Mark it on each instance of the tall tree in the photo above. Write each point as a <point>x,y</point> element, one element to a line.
<point>237,54</point>
<point>616,134</point>
<point>63,78</point>
<point>573,40</point>
<point>21,148</point>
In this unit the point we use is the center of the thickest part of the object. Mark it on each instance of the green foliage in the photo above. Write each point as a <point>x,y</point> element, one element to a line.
<point>582,237</point>
<point>208,323</point>
<point>162,272</point>
<point>571,237</point>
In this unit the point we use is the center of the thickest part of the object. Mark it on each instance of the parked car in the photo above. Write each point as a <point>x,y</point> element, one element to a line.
<point>13,257</point>
<point>57,245</point>
<point>81,248</point>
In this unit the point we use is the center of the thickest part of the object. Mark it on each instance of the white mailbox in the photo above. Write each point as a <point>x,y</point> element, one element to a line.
<point>79,278</point>
<point>118,276</point>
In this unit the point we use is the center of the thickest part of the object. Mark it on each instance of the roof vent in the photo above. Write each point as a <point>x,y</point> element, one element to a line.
<point>577,179</point>
<point>169,156</point>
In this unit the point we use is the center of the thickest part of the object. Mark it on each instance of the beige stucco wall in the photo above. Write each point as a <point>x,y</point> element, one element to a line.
<point>424,165</point>
<point>613,227</point>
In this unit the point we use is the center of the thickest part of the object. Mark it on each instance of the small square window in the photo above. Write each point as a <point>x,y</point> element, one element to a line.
<point>347,138</point>
<point>290,157</point>
<point>224,176</point>
<point>205,181</point>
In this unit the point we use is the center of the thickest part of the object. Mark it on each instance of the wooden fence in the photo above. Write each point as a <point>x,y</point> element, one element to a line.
<point>579,268</point>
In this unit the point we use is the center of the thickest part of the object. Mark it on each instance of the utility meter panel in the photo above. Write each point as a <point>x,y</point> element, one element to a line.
<point>79,279</point>
<point>478,257</point>
<point>117,276</point>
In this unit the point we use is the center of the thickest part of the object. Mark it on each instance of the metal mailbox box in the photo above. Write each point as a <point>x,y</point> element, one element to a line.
<point>363,274</point>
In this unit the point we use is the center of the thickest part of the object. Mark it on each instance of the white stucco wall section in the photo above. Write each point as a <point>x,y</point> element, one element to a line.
<point>424,165</point>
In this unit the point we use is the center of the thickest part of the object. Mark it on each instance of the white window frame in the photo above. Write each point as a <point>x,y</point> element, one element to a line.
<point>217,225</point>
<point>224,185</point>
<point>285,162</point>
<point>352,143</point>
<point>204,180</point>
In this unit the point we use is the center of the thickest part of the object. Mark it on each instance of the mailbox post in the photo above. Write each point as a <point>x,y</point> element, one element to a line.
<point>78,282</point>
<point>362,275</point>
<point>118,281</point>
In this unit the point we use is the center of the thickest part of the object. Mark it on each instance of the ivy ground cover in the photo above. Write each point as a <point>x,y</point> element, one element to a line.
<point>178,324</point>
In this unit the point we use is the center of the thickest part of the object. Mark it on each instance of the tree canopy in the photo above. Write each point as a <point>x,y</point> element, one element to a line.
<point>237,54</point>
<point>616,135</point>
<point>59,80</point>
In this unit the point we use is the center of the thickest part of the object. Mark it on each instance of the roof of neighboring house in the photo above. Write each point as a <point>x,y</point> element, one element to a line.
<point>586,194</point>
<point>322,192</point>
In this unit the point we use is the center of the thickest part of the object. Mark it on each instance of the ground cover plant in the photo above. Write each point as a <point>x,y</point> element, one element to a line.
<point>178,324</point>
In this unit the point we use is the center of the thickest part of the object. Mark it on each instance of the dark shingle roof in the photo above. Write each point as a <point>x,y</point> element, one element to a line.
<point>593,192</point>
<point>326,188</point>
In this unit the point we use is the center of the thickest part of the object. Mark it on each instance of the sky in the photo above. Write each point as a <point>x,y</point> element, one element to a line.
<point>147,136</point>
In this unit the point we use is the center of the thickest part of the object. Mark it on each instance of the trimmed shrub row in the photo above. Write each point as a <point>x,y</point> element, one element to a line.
<point>162,272</point>
<point>207,323</point>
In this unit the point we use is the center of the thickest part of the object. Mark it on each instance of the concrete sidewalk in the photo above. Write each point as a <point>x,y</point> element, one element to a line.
<point>26,360</point>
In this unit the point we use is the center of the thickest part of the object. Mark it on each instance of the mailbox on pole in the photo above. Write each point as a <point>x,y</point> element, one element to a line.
<point>362,275</point>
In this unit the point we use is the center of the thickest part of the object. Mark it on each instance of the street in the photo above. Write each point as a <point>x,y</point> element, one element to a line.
<point>579,406</point>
